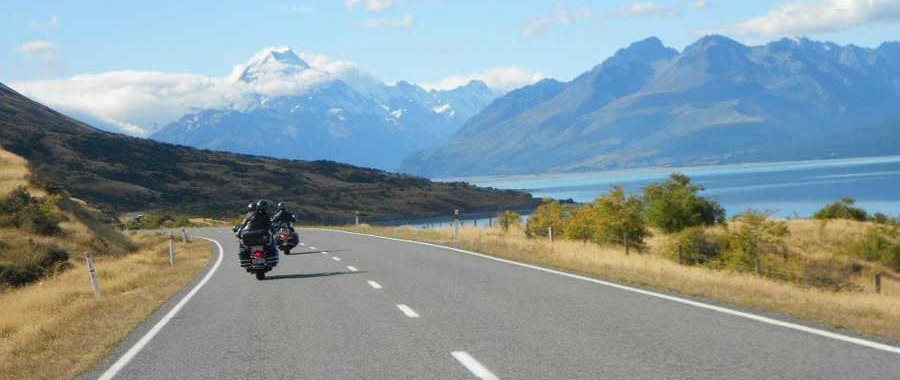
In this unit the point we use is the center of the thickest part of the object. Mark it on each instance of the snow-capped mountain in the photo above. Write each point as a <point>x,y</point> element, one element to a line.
<point>291,109</point>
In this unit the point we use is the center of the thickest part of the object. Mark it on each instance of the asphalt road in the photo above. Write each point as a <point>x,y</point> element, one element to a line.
<point>380,309</point>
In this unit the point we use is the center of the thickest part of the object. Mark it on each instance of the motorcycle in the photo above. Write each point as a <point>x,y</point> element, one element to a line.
<point>286,239</point>
<point>256,254</point>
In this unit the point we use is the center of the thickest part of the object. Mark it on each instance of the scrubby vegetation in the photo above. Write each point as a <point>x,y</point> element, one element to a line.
<point>154,220</point>
<point>674,205</point>
<point>842,209</point>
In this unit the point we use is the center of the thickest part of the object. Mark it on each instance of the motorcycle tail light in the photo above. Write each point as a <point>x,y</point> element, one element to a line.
<point>258,254</point>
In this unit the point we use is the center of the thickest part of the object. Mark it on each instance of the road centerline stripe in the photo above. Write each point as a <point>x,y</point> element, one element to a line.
<point>408,311</point>
<point>374,284</point>
<point>336,258</point>
<point>473,365</point>
<point>352,268</point>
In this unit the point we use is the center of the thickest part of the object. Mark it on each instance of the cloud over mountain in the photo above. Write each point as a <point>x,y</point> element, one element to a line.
<point>803,17</point>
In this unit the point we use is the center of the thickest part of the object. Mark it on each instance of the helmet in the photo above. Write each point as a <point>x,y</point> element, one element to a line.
<point>281,206</point>
<point>262,205</point>
<point>251,206</point>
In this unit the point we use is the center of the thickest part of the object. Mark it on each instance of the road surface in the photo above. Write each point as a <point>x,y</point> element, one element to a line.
<point>374,308</point>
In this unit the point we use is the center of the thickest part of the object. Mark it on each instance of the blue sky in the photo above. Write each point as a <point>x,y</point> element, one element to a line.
<point>417,40</point>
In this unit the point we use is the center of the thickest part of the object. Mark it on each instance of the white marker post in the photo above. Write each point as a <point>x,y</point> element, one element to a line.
<point>171,249</point>
<point>550,234</point>
<point>184,238</point>
<point>92,271</point>
<point>356,218</point>
<point>455,224</point>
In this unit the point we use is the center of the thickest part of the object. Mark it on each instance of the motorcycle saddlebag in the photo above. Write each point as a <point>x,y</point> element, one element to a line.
<point>291,242</point>
<point>255,237</point>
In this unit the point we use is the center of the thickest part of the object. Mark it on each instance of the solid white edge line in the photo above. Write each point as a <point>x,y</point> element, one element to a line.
<point>408,311</point>
<point>473,365</point>
<point>352,268</point>
<point>720,309</point>
<point>374,284</point>
<point>113,370</point>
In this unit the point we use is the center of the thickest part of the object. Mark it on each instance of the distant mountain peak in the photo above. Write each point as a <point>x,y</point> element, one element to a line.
<point>271,61</point>
<point>647,50</point>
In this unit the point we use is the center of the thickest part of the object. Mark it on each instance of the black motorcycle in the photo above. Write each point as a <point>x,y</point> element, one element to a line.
<point>256,254</point>
<point>285,238</point>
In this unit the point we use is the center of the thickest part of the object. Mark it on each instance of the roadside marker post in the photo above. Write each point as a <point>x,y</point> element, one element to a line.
<point>92,272</point>
<point>550,234</point>
<point>171,249</point>
<point>455,224</point>
<point>356,218</point>
<point>184,237</point>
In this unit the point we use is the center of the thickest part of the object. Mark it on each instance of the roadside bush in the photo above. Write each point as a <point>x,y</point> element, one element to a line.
<point>508,219</point>
<point>549,214</point>
<point>830,274</point>
<point>21,210</point>
<point>619,217</point>
<point>842,209</point>
<point>752,235</point>
<point>698,246</point>
<point>874,245</point>
<point>675,205</point>
<point>582,225</point>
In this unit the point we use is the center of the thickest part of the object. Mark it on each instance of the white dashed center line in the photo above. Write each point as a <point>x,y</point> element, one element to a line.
<point>473,365</point>
<point>352,268</point>
<point>408,311</point>
<point>374,284</point>
<point>302,243</point>
<point>336,258</point>
<point>312,248</point>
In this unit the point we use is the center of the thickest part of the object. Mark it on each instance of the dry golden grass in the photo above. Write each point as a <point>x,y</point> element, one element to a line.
<point>13,172</point>
<point>866,312</point>
<point>57,329</point>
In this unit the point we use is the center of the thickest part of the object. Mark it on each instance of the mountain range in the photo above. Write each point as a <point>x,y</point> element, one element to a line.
<point>717,101</point>
<point>123,173</point>
<point>361,122</point>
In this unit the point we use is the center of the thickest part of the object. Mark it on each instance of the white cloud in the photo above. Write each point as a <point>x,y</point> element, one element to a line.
<point>38,47</point>
<point>404,22</point>
<point>141,102</point>
<point>52,23</point>
<point>645,9</point>
<point>502,79</point>
<point>698,4</point>
<point>561,16</point>
<point>796,17</point>
<point>371,5</point>
<point>297,8</point>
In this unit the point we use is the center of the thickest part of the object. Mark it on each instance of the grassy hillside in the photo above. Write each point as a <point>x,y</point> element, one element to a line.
<point>130,174</point>
<point>39,231</point>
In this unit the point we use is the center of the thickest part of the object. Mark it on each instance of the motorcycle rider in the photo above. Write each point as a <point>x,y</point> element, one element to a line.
<point>283,216</point>
<point>257,221</point>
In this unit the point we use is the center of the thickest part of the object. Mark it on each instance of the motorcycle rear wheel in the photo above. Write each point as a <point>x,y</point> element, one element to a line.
<point>260,275</point>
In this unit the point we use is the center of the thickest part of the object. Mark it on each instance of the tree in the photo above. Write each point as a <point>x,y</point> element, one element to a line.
<point>753,234</point>
<point>842,209</point>
<point>582,225</point>
<point>508,219</point>
<point>619,218</point>
<point>549,214</point>
<point>674,205</point>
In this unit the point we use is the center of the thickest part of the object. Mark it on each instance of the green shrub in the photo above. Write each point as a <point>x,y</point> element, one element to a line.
<point>619,217</point>
<point>675,205</point>
<point>876,246</point>
<point>21,210</point>
<point>830,274</point>
<point>582,225</point>
<point>697,246</point>
<point>842,209</point>
<point>752,235</point>
<point>549,214</point>
<point>508,219</point>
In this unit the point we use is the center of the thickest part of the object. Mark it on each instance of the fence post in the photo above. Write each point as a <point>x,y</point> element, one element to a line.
<point>92,271</point>
<point>491,221</point>
<point>184,237</point>
<point>455,224</point>
<point>625,240</point>
<point>550,234</point>
<point>758,264</point>
<point>878,282</point>
<point>475,221</point>
<point>171,249</point>
<point>680,259</point>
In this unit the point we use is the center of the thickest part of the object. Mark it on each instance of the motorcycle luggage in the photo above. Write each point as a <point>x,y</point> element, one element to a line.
<point>255,237</point>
